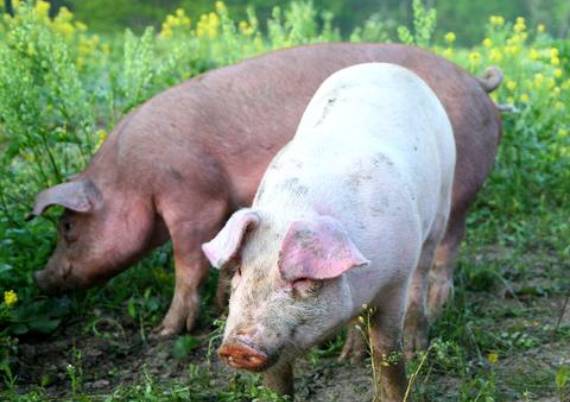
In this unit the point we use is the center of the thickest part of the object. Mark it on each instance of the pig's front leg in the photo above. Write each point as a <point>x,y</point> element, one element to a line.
<point>190,271</point>
<point>388,359</point>
<point>279,378</point>
<point>354,348</point>
<point>190,264</point>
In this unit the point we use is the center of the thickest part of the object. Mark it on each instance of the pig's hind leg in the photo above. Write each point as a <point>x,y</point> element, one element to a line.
<point>416,325</point>
<point>441,274</point>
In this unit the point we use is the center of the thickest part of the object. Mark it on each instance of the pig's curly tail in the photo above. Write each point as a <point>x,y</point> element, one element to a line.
<point>491,79</point>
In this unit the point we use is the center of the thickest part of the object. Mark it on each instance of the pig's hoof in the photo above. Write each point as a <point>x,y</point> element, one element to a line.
<point>164,331</point>
<point>439,293</point>
<point>415,343</point>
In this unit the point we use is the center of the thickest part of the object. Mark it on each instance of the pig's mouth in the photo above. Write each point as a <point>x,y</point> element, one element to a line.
<point>241,355</point>
<point>55,282</point>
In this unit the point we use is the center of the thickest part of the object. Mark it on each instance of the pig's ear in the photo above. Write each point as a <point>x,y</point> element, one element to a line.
<point>78,196</point>
<point>317,249</point>
<point>227,243</point>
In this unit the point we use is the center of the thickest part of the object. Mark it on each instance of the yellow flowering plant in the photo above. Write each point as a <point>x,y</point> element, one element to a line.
<point>10,298</point>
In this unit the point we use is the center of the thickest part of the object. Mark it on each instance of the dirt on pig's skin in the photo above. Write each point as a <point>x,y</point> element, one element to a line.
<point>507,339</point>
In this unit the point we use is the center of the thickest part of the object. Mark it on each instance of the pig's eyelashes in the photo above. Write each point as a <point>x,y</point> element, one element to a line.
<point>305,287</point>
<point>234,270</point>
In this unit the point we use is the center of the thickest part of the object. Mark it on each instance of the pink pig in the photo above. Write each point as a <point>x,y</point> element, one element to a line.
<point>178,165</point>
<point>349,213</point>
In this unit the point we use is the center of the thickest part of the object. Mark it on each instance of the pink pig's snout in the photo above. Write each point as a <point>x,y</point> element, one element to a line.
<point>239,352</point>
<point>54,281</point>
<point>44,283</point>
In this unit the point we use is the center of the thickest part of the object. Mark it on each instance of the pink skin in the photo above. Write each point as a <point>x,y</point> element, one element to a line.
<point>179,164</point>
<point>317,250</point>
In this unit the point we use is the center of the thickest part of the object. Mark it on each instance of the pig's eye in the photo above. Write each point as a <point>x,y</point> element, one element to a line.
<point>67,231</point>
<point>236,270</point>
<point>304,287</point>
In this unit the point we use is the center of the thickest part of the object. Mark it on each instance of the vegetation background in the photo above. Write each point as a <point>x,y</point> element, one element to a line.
<point>69,70</point>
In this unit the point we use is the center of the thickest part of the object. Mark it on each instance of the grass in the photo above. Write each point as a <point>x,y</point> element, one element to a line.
<point>503,336</point>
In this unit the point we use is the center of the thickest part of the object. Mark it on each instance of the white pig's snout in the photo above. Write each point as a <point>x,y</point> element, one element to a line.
<point>241,349</point>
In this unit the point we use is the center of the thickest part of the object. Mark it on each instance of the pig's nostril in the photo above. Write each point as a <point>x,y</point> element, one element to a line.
<point>239,355</point>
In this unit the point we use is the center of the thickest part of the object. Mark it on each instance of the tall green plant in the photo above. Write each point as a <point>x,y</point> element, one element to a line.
<point>424,25</point>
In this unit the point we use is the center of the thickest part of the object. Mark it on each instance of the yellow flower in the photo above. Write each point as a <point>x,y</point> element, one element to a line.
<point>474,58</point>
<point>10,298</point>
<point>538,79</point>
<point>554,52</point>
<point>555,61</point>
<point>81,27</point>
<point>165,32</point>
<point>562,133</point>
<point>245,28</point>
<point>493,357</point>
<point>496,55</point>
<point>511,85</point>
<point>558,73</point>
<point>171,22</point>
<point>42,8</point>
<point>487,42</point>
<point>541,28</point>
<point>448,53</point>
<point>520,25</point>
<point>65,14</point>
<point>497,20</point>
<point>450,37</point>
<point>512,50</point>
<point>220,7</point>
<point>101,137</point>
<point>64,28</point>
<point>533,54</point>
<point>524,98</point>
<point>550,82</point>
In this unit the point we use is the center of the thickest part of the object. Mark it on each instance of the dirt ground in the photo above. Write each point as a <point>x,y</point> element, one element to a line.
<point>112,354</point>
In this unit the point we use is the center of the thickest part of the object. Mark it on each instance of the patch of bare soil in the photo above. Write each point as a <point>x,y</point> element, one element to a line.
<point>112,353</point>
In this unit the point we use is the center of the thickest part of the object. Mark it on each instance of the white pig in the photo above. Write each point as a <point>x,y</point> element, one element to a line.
<point>348,213</point>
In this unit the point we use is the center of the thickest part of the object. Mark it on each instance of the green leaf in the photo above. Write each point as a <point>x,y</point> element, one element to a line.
<point>132,309</point>
<point>19,329</point>
<point>183,346</point>
<point>44,326</point>
<point>562,376</point>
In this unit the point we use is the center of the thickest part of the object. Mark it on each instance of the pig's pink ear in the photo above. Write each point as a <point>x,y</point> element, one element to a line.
<point>227,243</point>
<point>317,249</point>
<point>78,196</point>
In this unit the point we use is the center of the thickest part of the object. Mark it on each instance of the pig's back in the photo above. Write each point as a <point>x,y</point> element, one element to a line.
<point>373,138</point>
